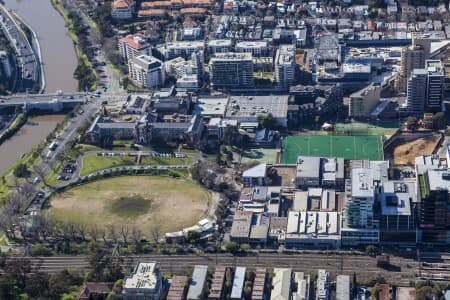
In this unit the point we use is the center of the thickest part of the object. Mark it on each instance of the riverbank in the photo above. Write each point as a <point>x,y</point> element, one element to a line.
<point>81,57</point>
<point>15,126</point>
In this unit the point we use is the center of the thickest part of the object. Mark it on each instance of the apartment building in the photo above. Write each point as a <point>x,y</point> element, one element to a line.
<point>146,71</point>
<point>134,45</point>
<point>145,283</point>
<point>122,9</point>
<point>231,70</point>
<point>362,102</point>
<point>256,48</point>
<point>285,66</point>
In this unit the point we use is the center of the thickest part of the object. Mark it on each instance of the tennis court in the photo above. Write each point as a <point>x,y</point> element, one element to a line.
<point>349,147</point>
<point>260,154</point>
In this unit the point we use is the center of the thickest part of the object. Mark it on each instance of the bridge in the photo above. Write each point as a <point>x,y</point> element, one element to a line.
<point>51,101</point>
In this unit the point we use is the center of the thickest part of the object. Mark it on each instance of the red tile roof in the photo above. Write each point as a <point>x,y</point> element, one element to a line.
<point>151,12</point>
<point>193,10</point>
<point>133,40</point>
<point>121,3</point>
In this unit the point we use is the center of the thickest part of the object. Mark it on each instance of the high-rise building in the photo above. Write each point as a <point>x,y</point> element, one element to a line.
<point>360,199</point>
<point>416,92</point>
<point>133,46</point>
<point>285,66</point>
<point>425,88</point>
<point>362,102</point>
<point>435,84</point>
<point>231,70</point>
<point>413,57</point>
<point>146,71</point>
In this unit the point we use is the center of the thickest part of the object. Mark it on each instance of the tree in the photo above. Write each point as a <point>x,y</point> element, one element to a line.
<point>41,173</point>
<point>37,285</point>
<point>232,247</point>
<point>193,237</point>
<point>266,121</point>
<point>245,247</point>
<point>411,123</point>
<point>21,171</point>
<point>371,250</point>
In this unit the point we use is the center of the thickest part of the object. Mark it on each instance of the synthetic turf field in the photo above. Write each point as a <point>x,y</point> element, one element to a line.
<point>349,147</point>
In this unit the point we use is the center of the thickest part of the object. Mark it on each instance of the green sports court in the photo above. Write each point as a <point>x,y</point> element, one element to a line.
<point>349,147</point>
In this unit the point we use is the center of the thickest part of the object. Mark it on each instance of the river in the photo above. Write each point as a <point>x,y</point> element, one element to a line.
<point>31,134</point>
<point>59,60</point>
<point>58,53</point>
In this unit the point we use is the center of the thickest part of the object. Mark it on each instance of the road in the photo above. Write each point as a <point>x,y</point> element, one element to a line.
<point>27,59</point>
<point>363,266</point>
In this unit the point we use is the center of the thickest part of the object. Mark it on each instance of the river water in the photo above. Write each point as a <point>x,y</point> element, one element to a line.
<point>59,60</point>
<point>58,53</point>
<point>31,134</point>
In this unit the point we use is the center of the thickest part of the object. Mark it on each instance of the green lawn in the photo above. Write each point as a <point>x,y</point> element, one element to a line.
<point>168,203</point>
<point>358,128</point>
<point>151,160</point>
<point>93,163</point>
<point>348,147</point>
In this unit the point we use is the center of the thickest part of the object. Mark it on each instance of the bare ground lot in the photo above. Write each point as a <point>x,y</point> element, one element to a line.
<point>175,203</point>
<point>406,153</point>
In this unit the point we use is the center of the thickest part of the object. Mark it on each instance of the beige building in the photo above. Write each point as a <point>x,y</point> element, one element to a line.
<point>362,102</point>
<point>413,57</point>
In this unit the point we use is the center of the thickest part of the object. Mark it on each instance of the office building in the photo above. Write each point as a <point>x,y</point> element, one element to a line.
<point>435,82</point>
<point>231,70</point>
<point>308,172</point>
<point>417,92</point>
<point>145,283</point>
<point>302,282</point>
<point>133,46</point>
<point>146,71</point>
<point>285,66</point>
<point>362,102</point>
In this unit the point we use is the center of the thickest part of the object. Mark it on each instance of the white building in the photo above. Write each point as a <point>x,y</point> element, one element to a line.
<point>281,283</point>
<point>285,66</point>
<point>133,46</point>
<point>359,205</point>
<point>146,71</point>
<point>256,48</point>
<point>181,48</point>
<point>145,283</point>
<point>219,46</point>
<point>323,285</point>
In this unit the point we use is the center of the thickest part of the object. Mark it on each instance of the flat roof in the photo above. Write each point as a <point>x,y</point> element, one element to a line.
<point>211,106</point>
<point>343,287</point>
<point>362,183</point>
<point>198,282</point>
<point>252,106</point>
<point>256,171</point>
<point>241,224</point>
<point>144,276</point>
<point>216,43</point>
<point>396,197</point>
<point>308,166</point>
<point>238,283</point>
<point>439,179</point>
<point>281,284</point>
